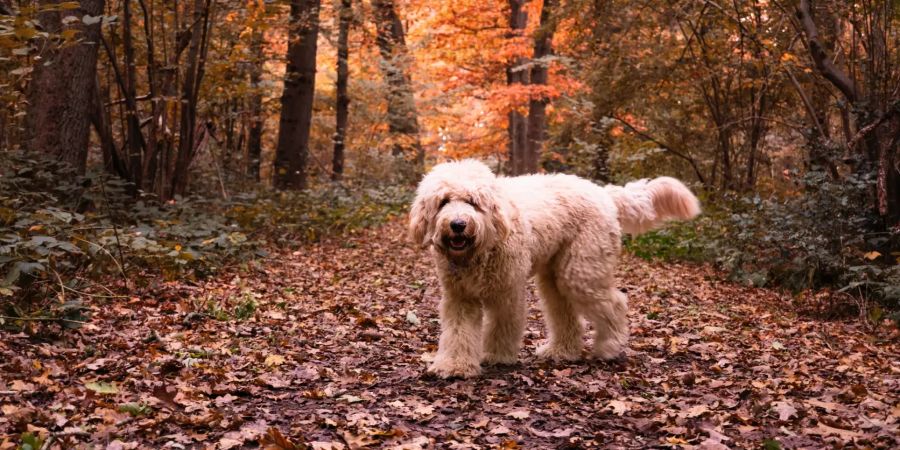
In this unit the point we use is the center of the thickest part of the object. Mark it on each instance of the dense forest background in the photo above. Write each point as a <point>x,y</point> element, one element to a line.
<point>203,213</point>
<point>176,136</point>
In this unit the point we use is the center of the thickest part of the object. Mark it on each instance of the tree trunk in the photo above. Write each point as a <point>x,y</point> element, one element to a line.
<point>254,134</point>
<point>888,177</point>
<point>61,89</point>
<point>757,132</point>
<point>537,115</point>
<point>193,76</point>
<point>134,136</point>
<point>231,140</point>
<point>297,98</point>
<point>879,126</point>
<point>600,170</point>
<point>516,126</point>
<point>403,121</point>
<point>343,99</point>
<point>150,160</point>
<point>112,160</point>
<point>724,144</point>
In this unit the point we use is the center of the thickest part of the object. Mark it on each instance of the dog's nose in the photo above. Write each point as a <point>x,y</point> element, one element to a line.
<point>458,225</point>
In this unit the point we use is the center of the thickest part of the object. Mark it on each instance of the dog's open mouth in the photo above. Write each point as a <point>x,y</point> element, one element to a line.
<point>458,243</point>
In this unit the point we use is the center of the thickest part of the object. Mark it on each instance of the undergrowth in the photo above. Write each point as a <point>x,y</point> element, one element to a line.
<point>64,237</point>
<point>819,238</point>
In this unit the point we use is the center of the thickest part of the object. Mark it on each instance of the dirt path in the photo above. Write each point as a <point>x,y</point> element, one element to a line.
<point>326,345</point>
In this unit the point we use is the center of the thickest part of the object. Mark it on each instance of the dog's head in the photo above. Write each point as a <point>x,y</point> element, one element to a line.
<point>459,210</point>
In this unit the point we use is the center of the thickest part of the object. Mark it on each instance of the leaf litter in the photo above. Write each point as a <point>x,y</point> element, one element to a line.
<point>332,355</point>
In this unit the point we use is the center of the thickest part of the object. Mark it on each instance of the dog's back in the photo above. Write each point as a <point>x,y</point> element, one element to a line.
<point>554,208</point>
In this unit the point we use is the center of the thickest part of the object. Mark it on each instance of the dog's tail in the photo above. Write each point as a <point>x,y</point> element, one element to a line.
<point>647,204</point>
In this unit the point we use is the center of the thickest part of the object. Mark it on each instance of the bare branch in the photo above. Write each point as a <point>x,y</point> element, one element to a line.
<point>824,64</point>
<point>663,146</point>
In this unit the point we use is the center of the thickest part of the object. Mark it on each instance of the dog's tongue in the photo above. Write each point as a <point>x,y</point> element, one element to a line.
<point>457,242</point>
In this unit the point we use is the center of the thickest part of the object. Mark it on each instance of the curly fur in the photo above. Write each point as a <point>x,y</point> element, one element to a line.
<point>563,230</point>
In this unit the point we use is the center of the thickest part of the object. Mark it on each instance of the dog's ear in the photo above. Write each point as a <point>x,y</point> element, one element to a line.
<point>500,210</point>
<point>421,219</point>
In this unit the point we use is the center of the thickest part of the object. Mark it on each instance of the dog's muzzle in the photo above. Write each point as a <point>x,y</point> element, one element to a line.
<point>457,241</point>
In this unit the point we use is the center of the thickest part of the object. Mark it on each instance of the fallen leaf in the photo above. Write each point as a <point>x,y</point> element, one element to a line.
<point>824,430</point>
<point>618,407</point>
<point>21,386</point>
<point>231,440</point>
<point>351,398</point>
<point>481,423</point>
<point>274,440</point>
<point>424,411</point>
<point>872,255</point>
<point>500,429</point>
<point>102,387</point>
<point>518,414</point>
<point>274,360</point>
<point>784,409</point>
<point>694,411</point>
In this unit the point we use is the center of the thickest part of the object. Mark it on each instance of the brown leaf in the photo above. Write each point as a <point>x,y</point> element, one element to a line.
<point>785,410</point>
<point>618,407</point>
<point>167,397</point>
<point>519,414</point>
<point>274,440</point>
<point>824,430</point>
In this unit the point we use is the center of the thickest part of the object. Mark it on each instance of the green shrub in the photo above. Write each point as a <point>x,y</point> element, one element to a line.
<point>690,241</point>
<point>61,234</point>
<point>309,215</point>
<point>820,237</point>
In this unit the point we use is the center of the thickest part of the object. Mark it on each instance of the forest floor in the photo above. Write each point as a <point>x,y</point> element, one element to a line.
<point>327,345</point>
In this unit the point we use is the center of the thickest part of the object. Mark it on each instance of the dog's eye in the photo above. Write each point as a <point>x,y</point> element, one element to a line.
<point>444,202</point>
<point>472,203</point>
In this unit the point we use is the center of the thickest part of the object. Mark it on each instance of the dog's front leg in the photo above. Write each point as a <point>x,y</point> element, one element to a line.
<point>459,349</point>
<point>504,326</point>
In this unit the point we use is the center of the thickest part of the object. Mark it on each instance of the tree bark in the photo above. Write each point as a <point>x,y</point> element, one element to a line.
<point>62,86</point>
<point>343,99</point>
<point>600,169</point>
<point>150,160</point>
<point>134,136</point>
<point>537,115</point>
<point>255,131</point>
<point>823,63</point>
<point>292,151</point>
<point>112,160</point>
<point>516,125</point>
<point>403,121</point>
<point>888,176</point>
<point>758,109</point>
<point>193,76</point>
<point>880,124</point>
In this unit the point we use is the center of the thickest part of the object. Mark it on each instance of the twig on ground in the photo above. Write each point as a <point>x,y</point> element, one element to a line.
<point>47,319</point>
<point>65,433</point>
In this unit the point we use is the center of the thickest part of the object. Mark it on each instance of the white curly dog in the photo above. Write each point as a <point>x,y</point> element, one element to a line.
<point>489,234</point>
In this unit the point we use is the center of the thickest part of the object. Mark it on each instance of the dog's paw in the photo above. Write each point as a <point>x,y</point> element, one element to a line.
<point>493,358</point>
<point>608,350</point>
<point>454,368</point>
<point>558,353</point>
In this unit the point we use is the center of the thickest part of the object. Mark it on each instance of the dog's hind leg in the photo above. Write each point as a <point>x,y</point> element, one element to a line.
<point>585,276</point>
<point>459,348</point>
<point>563,323</point>
<point>609,315</point>
<point>504,326</point>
